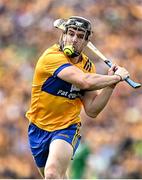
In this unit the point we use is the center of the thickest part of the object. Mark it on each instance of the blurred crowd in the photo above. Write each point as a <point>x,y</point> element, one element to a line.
<point>114,138</point>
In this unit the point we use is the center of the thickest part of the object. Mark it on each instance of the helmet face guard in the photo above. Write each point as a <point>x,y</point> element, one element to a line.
<point>79,23</point>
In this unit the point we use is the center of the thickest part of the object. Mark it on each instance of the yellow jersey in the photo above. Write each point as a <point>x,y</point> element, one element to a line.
<point>55,104</point>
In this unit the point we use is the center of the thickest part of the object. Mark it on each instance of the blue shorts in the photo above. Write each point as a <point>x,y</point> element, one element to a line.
<point>40,141</point>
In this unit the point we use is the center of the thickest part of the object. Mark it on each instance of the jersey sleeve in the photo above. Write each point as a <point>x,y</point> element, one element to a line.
<point>54,63</point>
<point>48,65</point>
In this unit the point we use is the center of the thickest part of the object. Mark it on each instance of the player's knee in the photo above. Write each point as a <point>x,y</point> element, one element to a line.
<point>51,172</point>
<point>51,175</point>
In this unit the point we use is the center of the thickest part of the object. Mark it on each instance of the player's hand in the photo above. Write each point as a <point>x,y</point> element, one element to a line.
<point>112,70</point>
<point>122,72</point>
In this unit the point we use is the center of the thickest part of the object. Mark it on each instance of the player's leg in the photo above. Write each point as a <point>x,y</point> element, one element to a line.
<point>41,171</point>
<point>67,174</point>
<point>60,154</point>
<point>62,148</point>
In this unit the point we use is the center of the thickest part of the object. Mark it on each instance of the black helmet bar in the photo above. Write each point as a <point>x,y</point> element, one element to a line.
<point>80,23</point>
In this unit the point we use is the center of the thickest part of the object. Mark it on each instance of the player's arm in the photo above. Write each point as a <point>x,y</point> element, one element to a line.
<point>95,101</point>
<point>90,81</point>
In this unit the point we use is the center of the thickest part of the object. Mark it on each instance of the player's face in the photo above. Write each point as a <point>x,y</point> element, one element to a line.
<point>76,38</point>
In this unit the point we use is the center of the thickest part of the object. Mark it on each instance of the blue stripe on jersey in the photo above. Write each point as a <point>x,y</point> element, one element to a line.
<point>58,87</point>
<point>61,68</point>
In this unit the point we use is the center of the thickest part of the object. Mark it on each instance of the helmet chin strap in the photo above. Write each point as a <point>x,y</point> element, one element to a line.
<point>75,54</point>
